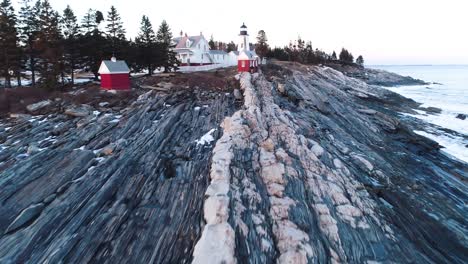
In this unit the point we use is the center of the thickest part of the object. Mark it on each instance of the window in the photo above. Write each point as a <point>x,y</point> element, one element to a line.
<point>242,45</point>
<point>198,46</point>
<point>243,64</point>
<point>202,56</point>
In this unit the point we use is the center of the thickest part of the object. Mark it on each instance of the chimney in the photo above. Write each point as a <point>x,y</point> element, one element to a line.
<point>181,33</point>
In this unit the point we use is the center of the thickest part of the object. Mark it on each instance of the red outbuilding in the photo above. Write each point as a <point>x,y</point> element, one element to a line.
<point>243,62</point>
<point>115,75</point>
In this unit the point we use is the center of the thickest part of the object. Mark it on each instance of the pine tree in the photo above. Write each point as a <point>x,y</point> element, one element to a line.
<point>9,51</point>
<point>148,50</point>
<point>89,23</point>
<point>70,31</point>
<point>115,31</point>
<point>93,43</point>
<point>211,43</point>
<point>29,29</point>
<point>164,38</point>
<point>360,60</point>
<point>231,46</point>
<point>261,48</point>
<point>48,44</point>
<point>333,56</point>
<point>346,56</point>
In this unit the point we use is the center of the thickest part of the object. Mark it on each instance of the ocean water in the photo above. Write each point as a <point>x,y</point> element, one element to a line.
<point>449,92</point>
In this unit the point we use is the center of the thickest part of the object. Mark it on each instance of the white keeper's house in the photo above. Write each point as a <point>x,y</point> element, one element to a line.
<point>195,50</point>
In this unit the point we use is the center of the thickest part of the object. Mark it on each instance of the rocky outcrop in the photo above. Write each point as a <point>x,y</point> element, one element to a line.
<point>312,167</point>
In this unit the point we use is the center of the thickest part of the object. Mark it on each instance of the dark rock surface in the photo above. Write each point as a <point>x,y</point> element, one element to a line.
<point>375,76</point>
<point>314,167</point>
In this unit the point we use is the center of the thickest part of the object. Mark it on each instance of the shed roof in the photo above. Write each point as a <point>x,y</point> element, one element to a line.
<point>113,67</point>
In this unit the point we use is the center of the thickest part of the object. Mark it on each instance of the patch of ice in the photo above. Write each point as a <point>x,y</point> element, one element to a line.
<point>21,156</point>
<point>96,113</point>
<point>43,120</point>
<point>207,138</point>
<point>113,121</point>
<point>80,148</point>
<point>197,108</point>
<point>100,159</point>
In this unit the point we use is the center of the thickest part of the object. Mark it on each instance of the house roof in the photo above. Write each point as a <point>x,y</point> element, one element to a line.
<point>183,51</point>
<point>113,67</point>
<point>218,52</point>
<point>181,41</point>
<point>243,25</point>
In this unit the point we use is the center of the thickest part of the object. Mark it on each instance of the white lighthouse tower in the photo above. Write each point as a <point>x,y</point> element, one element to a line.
<point>243,39</point>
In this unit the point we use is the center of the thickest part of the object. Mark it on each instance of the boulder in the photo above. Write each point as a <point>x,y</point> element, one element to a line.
<point>461,116</point>
<point>33,108</point>
<point>78,111</point>
<point>237,94</point>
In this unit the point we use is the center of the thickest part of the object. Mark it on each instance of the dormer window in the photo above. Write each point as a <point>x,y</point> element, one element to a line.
<point>187,43</point>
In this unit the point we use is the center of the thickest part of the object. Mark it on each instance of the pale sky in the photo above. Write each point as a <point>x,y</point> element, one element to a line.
<point>383,31</point>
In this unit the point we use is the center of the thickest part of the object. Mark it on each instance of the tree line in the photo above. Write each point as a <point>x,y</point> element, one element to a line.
<point>50,46</point>
<point>303,52</point>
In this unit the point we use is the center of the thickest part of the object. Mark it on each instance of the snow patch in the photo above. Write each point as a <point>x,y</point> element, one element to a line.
<point>207,138</point>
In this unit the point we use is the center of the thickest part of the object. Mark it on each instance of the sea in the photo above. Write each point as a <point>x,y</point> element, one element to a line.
<point>448,91</point>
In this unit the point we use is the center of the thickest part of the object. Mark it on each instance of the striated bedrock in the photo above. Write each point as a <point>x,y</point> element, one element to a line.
<point>313,167</point>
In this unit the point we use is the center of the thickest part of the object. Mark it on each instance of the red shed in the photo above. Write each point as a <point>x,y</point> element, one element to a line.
<point>243,62</point>
<point>115,75</point>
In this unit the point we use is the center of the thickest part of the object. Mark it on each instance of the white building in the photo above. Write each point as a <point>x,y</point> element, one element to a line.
<point>195,50</point>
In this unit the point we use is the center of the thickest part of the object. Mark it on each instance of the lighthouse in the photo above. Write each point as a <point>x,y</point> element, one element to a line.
<point>243,39</point>
<point>247,59</point>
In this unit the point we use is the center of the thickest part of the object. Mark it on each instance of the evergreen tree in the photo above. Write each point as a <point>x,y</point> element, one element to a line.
<point>93,42</point>
<point>48,44</point>
<point>211,43</point>
<point>360,60</point>
<point>70,31</point>
<point>261,48</point>
<point>346,56</point>
<point>147,49</point>
<point>231,46</point>
<point>29,29</point>
<point>164,38</point>
<point>115,31</point>
<point>333,56</point>
<point>89,22</point>
<point>9,51</point>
